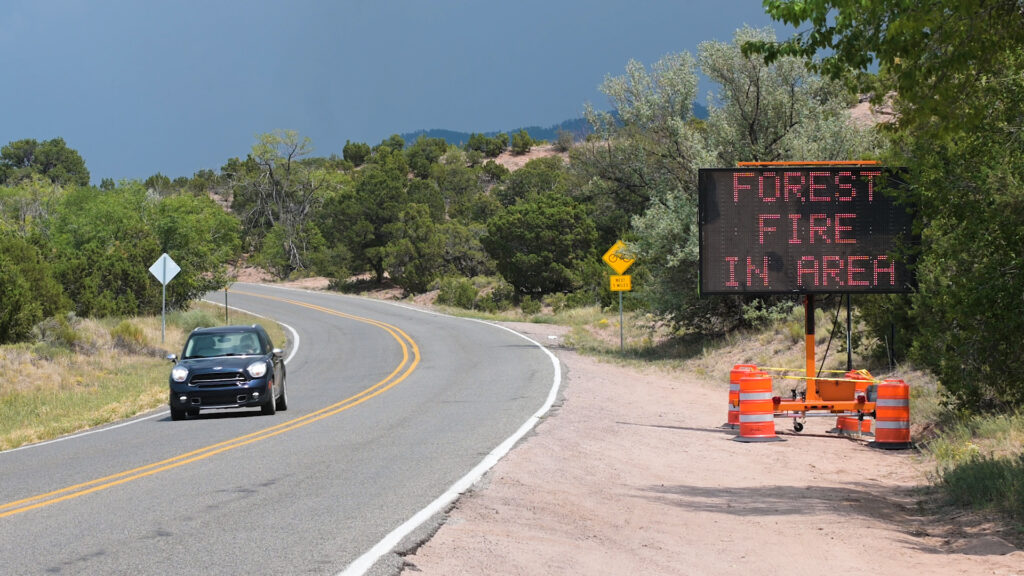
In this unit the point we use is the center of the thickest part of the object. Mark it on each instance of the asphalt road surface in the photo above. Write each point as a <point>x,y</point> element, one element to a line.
<point>388,408</point>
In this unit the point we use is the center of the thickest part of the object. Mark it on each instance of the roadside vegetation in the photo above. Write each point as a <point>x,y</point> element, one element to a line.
<point>77,373</point>
<point>526,244</point>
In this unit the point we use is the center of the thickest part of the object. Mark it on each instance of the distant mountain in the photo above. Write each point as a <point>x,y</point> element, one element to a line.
<point>578,127</point>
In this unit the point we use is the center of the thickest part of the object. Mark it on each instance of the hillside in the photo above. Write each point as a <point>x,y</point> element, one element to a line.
<point>578,127</point>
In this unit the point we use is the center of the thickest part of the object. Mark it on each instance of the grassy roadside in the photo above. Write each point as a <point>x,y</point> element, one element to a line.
<point>80,373</point>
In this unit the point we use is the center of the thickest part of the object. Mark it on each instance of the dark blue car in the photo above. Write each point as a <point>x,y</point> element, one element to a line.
<point>227,367</point>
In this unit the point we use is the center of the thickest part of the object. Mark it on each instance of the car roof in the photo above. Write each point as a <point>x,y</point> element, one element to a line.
<point>228,329</point>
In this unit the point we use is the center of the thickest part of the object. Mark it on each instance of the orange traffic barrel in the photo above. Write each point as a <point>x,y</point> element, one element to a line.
<point>892,416</point>
<point>757,410</point>
<point>854,424</point>
<point>738,371</point>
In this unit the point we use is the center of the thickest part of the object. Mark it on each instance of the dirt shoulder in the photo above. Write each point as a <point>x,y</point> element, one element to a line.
<point>632,474</point>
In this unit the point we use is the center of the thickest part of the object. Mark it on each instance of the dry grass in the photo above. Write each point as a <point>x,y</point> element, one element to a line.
<point>54,387</point>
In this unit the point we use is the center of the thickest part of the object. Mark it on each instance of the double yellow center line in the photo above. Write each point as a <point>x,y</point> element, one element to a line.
<point>410,359</point>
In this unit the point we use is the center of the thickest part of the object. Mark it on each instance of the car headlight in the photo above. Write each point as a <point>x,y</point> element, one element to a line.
<point>257,369</point>
<point>179,373</point>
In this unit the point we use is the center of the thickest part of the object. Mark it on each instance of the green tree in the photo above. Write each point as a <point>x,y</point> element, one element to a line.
<point>536,176</point>
<point>644,148</point>
<point>459,187</point>
<point>489,147</point>
<point>541,245</point>
<point>414,255</point>
<point>424,153</point>
<point>276,189</point>
<point>103,246</point>
<point>393,143</point>
<point>27,207</point>
<point>28,290</point>
<point>159,184</point>
<point>955,74</point>
<point>777,111</point>
<point>521,143</point>
<point>50,158</point>
<point>202,238</point>
<point>642,170</point>
<point>464,253</point>
<point>356,152</point>
<point>362,219</point>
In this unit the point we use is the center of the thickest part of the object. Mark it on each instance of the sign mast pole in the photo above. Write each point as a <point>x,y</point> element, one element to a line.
<point>163,301</point>
<point>619,263</point>
<point>165,268</point>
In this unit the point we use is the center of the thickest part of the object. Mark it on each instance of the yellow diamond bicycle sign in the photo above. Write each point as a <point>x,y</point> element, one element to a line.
<point>615,258</point>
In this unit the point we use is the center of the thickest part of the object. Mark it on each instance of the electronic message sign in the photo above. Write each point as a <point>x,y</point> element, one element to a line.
<point>801,230</point>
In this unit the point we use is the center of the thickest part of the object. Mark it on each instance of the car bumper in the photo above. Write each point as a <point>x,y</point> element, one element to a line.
<point>254,394</point>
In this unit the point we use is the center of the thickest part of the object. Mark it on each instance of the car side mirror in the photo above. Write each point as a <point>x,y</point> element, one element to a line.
<point>278,353</point>
<point>172,357</point>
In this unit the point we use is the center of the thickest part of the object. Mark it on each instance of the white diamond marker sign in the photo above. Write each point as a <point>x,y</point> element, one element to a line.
<point>165,269</point>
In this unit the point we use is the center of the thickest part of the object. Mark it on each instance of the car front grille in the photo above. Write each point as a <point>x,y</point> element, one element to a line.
<point>218,379</point>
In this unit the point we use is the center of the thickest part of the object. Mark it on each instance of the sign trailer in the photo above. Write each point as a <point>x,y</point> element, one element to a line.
<point>804,228</point>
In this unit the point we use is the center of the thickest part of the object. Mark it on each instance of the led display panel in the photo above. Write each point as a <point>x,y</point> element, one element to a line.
<point>802,230</point>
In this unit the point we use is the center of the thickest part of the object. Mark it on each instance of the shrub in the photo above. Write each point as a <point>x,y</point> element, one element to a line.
<point>129,337</point>
<point>503,295</point>
<point>458,292</point>
<point>58,332</point>
<point>495,171</point>
<point>521,143</point>
<point>557,302</point>
<point>529,306</point>
<point>564,141</point>
<point>192,319</point>
<point>542,244</point>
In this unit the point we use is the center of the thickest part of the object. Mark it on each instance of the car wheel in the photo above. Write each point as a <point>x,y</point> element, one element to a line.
<point>177,413</point>
<point>282,400</point>
<point>270,407</point>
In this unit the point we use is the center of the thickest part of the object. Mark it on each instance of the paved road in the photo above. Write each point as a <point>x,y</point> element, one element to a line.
<point>388,407</point>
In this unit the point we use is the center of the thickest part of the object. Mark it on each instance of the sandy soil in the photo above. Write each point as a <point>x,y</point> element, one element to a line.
<point>632,474</point>
<point>516,161</point>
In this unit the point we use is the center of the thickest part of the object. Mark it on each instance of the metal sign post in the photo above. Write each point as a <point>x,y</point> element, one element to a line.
<point>165,268</point>
<point>620,283</point>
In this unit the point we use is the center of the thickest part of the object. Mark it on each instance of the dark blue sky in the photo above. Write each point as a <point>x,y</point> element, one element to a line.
<point>178,86</point>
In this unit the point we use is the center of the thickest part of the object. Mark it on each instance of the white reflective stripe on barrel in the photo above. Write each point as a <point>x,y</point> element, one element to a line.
<point>734,387</point>
<point>757,417</point>
<point>892,424</point>
<point>892,402</point>
<point>755,396</point>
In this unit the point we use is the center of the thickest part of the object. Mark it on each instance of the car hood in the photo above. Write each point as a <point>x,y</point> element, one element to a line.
<point>220,363</point>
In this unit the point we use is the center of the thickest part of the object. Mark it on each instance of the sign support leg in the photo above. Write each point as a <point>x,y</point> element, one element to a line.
<point>812,387</point>
<point>622,345</point>
<point>849,336</point>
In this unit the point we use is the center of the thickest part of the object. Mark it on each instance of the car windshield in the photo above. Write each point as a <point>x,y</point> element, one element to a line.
<point>228,344</point>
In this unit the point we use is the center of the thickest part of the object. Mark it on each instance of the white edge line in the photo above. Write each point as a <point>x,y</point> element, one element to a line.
<point>295,348</point>
<point>362,564</point>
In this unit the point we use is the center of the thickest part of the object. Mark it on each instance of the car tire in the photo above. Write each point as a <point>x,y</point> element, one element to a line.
<point>270,407</point>
<point>282,400</point>
<point>177,413</point>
